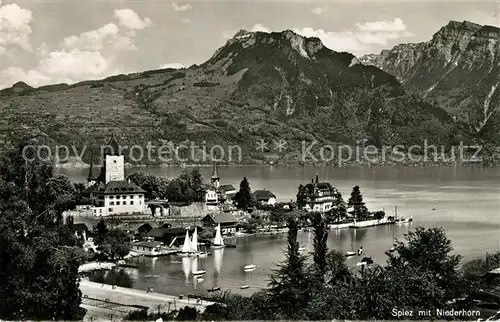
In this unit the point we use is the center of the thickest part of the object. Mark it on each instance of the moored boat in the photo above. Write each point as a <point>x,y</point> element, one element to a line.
<point>243,287</point>
<point>218,240</point>
<point>199,272</point>
<point>186,250</point>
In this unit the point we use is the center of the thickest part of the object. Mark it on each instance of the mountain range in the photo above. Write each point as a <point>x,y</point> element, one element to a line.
<point>280,86</point>
<point>458,70</point>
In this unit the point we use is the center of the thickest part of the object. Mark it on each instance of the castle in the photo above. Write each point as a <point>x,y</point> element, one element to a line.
<point>110,193</point>
<point>317,196</point>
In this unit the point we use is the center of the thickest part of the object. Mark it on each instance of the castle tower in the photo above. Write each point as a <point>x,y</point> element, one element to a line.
<point>215,180</point>
<point>114,164</point>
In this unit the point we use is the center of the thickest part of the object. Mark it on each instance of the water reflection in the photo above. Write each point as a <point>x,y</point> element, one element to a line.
<point>113,277</point>
<point>186,267</point>
<point>218,254</point>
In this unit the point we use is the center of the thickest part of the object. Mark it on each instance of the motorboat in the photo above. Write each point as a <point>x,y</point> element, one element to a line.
<point>244,287</point>
<point>250,266</point>
<point>349,254</point>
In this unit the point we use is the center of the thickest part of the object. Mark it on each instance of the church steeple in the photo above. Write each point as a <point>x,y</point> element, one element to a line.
<point>215,176</point>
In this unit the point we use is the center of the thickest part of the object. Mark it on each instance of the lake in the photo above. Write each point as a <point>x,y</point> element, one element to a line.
<point>466,202</point>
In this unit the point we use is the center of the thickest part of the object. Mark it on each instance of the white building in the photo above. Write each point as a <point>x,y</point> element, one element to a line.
<point>147,248</point>
<point>112,194</point>
<point>265,197</point>
<point>318,196</point>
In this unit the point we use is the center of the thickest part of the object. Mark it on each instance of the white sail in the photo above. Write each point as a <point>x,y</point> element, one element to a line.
<point>218,240</point>
<point>186,248</point>
<point>194,243</point>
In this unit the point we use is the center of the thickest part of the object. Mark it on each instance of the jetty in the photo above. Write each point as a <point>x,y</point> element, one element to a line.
<point>124,297</point>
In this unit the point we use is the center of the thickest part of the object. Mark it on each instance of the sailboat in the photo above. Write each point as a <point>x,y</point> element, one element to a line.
<point>186,250</point>
<point>218,240</point>
<point>194,245</point>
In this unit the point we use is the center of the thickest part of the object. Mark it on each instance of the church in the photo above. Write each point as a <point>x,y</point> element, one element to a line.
<point>110,193</point>
<point>216,194</point>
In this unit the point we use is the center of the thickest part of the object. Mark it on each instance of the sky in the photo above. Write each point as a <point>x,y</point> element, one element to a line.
<point>51,41</point>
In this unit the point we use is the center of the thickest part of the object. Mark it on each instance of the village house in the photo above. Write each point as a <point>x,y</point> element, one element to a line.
<point>227,222</point>
<point>317,196</point>
<point>264,197</point>
<point>147,248</point>
<point>110,193</point>
<point>228,191</point>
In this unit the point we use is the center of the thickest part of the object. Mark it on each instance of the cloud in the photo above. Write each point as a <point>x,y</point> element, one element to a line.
<point>338,41</point>
<point>15,27</point>
<point>130,19</point>
<point>181,7</point>
<point>94,39</point>
<point>66,66</point>
<point>319,10</point>
<point>261,28</point>
<point>172,65</point>
<point>362,39</point>
<point>88,55</point>
<point>386,25</point>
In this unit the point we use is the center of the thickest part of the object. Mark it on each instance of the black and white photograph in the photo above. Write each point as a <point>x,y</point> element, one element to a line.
<point>229,160</point>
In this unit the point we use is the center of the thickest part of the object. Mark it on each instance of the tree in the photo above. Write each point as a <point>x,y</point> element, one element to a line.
<point>320,248</point>
<point>197,182</point>
<point>40,255</point>
<point>243,198</point>
<point>116,244</point>
<point>356,201</point>
<point>154,186</point>
<point>100,232</point>
<point>289,288</point>
<point>429,250</point>
<point>187,313</point>
<point>337,271</point>
<point>174,191</point>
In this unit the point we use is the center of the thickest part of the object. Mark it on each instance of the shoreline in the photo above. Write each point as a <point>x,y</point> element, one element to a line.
<point>312,165</point>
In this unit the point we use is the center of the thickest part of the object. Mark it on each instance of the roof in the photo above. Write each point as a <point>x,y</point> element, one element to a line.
<point>150,244</point>
<point>122,186</point>
<point>221,218</point>
<point>161,232</point>
<point>495,271</point>
<point>112,148</point>
<point>263,194</point>
<point>227,187</point>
